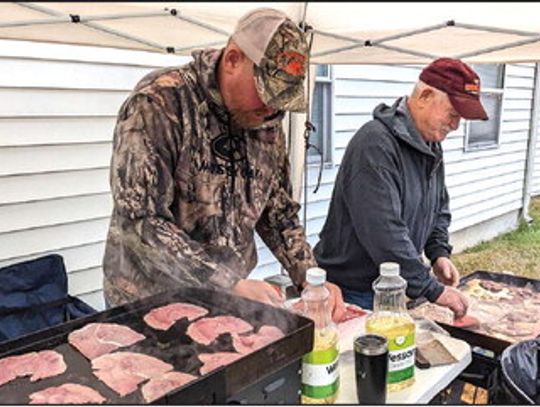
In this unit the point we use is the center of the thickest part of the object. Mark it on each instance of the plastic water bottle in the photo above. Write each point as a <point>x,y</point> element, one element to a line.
<point>320,369</point>
<point>391,319</point>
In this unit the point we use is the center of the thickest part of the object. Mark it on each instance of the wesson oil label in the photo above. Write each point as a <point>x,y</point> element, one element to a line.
<point>401,354</point>
<point>320,373</point>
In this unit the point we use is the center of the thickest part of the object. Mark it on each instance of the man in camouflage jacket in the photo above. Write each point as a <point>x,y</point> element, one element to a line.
<point>199,164</point>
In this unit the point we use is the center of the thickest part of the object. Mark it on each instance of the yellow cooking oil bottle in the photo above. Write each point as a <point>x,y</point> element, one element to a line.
<point>391,319</point>
<point>320,369</point>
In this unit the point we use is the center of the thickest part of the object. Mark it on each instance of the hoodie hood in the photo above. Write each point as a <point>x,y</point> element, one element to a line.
<point>397,118</point>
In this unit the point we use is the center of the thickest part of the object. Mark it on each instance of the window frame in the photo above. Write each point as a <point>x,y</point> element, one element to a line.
<point>467,148</point>
<point>328,109</point>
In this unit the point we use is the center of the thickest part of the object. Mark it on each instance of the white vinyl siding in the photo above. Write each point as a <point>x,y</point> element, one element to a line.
<point>57,113</point>
<point>486,184</point>
<point>535,181</point>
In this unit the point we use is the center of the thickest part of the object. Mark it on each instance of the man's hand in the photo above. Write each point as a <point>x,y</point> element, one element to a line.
<point>454,300</point>
<point>258,290</point>
<point>446,272</point>
<point>335,302</point>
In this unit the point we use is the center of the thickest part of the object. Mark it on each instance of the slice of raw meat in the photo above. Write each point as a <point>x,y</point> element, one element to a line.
<point>68,393</point>
<point>16,366</point>
<point>123,371</point>
<point>467,321</point>
<point>214,360</point>
<point>434,312</point>
<point>96,339</point>
<point>159,386</point>
<point>206,330</point>
<point>249,343</point>
<point>37,365</point>
<point>48,363</point>
<point>163,318</point>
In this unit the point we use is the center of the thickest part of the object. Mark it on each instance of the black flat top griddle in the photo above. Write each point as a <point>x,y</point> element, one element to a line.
<point>172,346</point>
<point>480,339</point>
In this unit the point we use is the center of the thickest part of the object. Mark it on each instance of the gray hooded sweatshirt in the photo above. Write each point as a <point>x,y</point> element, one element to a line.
<point>389,203</point>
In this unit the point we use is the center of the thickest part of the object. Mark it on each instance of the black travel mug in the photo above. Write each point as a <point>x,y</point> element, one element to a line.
<point>371,367</point>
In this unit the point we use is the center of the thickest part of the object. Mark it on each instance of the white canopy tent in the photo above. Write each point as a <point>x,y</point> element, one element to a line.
<point>355,33</point>
<point>343,33</point>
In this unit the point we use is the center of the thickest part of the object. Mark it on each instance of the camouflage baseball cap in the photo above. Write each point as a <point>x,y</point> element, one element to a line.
<point>279,51</point>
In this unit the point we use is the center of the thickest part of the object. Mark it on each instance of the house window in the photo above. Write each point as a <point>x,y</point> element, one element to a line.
<point>321,113</point>
<point>481,134</point>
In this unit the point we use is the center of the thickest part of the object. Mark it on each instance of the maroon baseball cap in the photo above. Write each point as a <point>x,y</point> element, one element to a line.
<point>460,83</point>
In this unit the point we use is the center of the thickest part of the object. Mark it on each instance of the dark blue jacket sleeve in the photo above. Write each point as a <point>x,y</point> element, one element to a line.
<point>437,244</point>
<point>372,190</point>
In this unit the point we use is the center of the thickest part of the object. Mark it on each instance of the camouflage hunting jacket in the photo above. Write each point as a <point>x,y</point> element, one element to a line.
<point>190,191</point>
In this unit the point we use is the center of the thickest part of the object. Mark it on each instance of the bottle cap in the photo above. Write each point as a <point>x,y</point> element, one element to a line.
<point>389,269</point>
<point>315,276</point>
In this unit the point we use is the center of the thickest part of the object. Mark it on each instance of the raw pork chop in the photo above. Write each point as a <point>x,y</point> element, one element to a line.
<point>159,386</point>
<point>48,363</point>
<point>69,393</point>
<point>163,318</point>
<point>123,371</point>
<point>214,360</point>
<point>37,365</point>
<point>206,330</point>
<point>250,343</point>
<point>96,339</point>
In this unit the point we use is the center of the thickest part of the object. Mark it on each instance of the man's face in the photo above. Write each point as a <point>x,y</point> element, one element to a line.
<point>440,118</point>
<point>247,110</point>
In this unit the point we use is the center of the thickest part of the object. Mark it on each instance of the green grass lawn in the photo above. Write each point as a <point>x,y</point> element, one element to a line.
<point>517,252</point>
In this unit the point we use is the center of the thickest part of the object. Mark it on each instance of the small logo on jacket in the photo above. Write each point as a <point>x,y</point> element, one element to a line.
<point>229,147</point>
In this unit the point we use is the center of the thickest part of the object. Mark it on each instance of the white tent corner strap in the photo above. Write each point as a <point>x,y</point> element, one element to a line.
<point>344,33</point>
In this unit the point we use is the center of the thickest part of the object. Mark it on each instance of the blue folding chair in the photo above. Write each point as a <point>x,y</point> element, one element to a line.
<point>34,296</point>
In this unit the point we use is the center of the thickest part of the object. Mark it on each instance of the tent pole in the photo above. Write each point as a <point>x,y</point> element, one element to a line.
<point>51,20</point>
<point>378,42</point>
<point>208,44</point>
<point>407,51</point>
<point>96,26</point>
<point>88,21</point>
<point>304,14</point>
<point>531,147</point>
<point>50,12</point>
<point>209,27</point>
<point>499,47</point>
<point>495,29</point>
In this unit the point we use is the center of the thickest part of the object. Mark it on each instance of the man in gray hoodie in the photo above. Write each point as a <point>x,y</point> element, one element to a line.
<point>390,201</point>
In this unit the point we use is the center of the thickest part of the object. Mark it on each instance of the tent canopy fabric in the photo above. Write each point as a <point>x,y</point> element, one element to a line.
<point>344,33</point>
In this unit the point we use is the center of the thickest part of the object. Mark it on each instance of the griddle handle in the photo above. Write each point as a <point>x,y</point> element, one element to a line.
<point>272,387</point>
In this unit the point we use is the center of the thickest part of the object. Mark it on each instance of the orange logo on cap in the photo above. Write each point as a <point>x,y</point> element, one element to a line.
<point>292,62</point>
<point>472,87</point>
